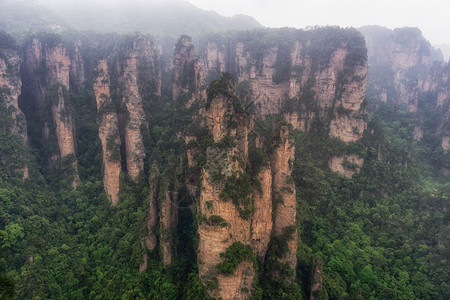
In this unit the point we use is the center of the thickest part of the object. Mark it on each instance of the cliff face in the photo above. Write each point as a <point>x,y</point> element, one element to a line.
<point>437,84</point>
<point>223,223</point>
<point>108,131</point>
<point>293,78</point>
<point>237,198</point>
<point>139,83</point>
<point>242,204</point>
<point>283,189</point>
<point>10,90</point>
<point>187,75</point>
<point>168,201</point>
<point>47,68</point>
<point>262,222</point>
<point>405,71</point>
<point>77,72</point>
<point>151,240</point>
<point>11,85</point>
<point>239,173</point>
<point>398,59</point>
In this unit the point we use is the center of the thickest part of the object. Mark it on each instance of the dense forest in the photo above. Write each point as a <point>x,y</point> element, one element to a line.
<point>382,233</point>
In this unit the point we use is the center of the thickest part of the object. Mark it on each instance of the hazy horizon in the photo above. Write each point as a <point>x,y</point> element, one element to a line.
<point>430,16</point>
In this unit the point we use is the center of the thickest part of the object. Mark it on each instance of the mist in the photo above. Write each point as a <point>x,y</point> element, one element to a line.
<point>430,16</point>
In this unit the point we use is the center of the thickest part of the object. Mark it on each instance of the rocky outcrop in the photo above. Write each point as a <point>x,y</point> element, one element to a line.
<point>347,165</point>
<point>283,189</point>
<point>316,278</point>
<point>134,119</point>
<point>399,60</point>
<point>108,132</point>
<point>151,240</point>
<point>162,217</point>
<point>289,79</point>
<point>168,202</point>
<point>330,86</point>
<point>242,204</point>
<point>10,87</point>
<point>139,80</point>
<point>437,87</point>
<point>262,222</point>
<point>10,90</point>
<point>47,67</point>
<point>406,72</point>
<point>77,73</point>
<point>187,72</point>
<point>222,221</point>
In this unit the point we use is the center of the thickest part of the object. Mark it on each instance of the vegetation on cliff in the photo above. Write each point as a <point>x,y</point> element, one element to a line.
<point>382,234</point>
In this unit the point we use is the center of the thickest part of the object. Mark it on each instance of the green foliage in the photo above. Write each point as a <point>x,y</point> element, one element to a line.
<point>283,65</point>
<point>277,281</point>
<point>349,165</point>
<point>223,86</point>
<point>7,287</point>
<point>238,188</point>
<point>278,246</point>
<point>372,231</point>
<point>405,35</point>
<point>233,256</point>
<point>14,155</point>
<point>382,234</point>
<point>215,220</point>
<point>113,147</point>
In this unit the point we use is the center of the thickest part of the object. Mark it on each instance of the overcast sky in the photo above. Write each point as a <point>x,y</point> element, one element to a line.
<point>431,16</point>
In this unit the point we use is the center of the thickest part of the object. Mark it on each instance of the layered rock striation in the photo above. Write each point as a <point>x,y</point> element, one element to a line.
<point>47,67</point>
<point>108,132</point>
<point>406,72</point>
<point>399,59</point>
<point>249,206</point>
<point>139,83</point>
<point>11,89</point>
<point>289,74</point>
<point>244,203</point>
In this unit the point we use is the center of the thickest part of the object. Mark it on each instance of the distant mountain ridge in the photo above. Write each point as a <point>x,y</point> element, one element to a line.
<point>158,18</point>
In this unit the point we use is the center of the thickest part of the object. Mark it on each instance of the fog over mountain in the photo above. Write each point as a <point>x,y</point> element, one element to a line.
<point>182,150</point>
<point>159,18</point>
<point>431,16</point>
<point>445,48</point>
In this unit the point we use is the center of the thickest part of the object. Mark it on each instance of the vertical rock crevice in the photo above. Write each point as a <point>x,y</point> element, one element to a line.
<point>285,203</point>
<point>108,132</point>
<point>11,89</point>
<point>47,68</point>
<point>139,88</point>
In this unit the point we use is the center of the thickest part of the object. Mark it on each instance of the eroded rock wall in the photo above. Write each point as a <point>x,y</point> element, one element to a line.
<point>11,88</point>
<point>283,189</point>
<point>399,59</point>
<point>222,221</point>
<point>407,72</point>
<point>47,68</point>
<point>139,84</point>
<point>108,132</point>
<point>331,87</point>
